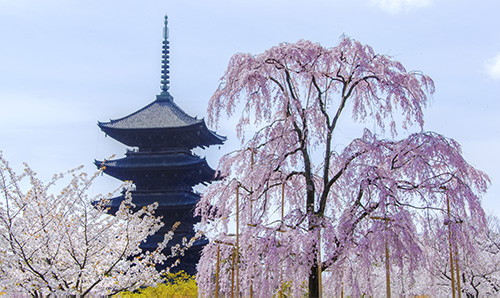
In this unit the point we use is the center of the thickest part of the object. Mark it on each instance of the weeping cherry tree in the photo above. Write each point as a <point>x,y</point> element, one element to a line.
<point>307,208</point>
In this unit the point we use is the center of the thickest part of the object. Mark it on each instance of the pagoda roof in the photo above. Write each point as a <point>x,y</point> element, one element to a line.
<point>164,200</point>
<point>161,113</point>
<point>160,171</point>
<point>154,161</point>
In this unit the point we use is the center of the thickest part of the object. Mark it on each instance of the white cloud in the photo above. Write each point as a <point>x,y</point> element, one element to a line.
<point>493,67</point>
<point>396,6</point>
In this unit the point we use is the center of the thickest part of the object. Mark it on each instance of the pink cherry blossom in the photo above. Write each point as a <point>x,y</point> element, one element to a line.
<point>341,206</point>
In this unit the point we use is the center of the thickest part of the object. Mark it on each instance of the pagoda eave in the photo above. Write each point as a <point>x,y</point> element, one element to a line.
<point>155,162</point>
<point>171,201</point>
<point>149,175</point>
<point>191,136</point>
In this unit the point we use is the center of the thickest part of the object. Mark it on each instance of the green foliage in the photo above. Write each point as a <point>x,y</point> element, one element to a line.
<point>176,285</point>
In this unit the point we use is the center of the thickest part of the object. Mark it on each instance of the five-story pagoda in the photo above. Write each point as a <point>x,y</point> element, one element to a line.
<point>161,164</point>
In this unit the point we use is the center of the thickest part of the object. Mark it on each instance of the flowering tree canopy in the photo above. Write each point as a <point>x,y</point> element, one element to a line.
<point>61,244</point>
<point>305,208</point>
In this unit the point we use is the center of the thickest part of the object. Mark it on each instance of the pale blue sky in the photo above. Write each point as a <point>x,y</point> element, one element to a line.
<point>64,65</point>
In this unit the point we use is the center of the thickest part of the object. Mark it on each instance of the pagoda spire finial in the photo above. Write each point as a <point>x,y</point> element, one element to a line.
<point>165,68</point>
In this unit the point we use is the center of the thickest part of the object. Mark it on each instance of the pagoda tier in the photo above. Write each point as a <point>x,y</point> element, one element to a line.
<point>161,125</point>
<point>162,166</point>
<point>166,201</point>
<point>166,171</point>
<point>174,207</point>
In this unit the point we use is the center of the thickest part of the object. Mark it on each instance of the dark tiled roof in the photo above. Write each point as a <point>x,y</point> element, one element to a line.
<point>158,114</point>
<point>179,199</point>
<point>153,161</point>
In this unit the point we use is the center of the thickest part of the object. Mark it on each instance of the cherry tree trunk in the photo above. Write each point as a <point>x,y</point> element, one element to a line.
<point>313,282</point>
